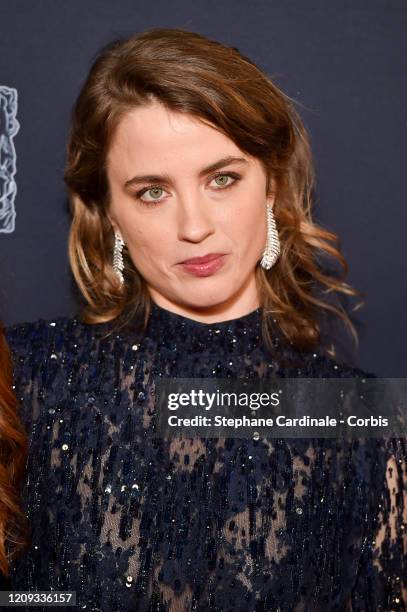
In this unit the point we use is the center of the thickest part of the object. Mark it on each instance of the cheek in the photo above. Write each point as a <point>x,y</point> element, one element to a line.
<point>140,239</point>
<point>146,239</point>
<point>247,225</point>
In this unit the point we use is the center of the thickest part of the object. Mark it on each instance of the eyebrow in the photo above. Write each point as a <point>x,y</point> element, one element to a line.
<point>166,179</point>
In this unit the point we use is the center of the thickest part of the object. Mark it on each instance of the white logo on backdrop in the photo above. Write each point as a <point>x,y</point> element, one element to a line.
<point>9,127</point>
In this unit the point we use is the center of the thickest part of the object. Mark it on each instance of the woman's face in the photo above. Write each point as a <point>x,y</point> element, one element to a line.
<point>170,203</point>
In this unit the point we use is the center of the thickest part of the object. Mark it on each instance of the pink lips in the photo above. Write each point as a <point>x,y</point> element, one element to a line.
<point>204,266</point>
<point>201,260</point>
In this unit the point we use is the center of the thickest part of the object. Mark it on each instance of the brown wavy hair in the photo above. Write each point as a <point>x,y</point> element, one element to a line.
<point>14,529</point>
<point>191,74</point>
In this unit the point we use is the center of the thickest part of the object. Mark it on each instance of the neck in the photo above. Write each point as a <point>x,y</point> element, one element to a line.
<point>236,335</point>
<point>232,308</point>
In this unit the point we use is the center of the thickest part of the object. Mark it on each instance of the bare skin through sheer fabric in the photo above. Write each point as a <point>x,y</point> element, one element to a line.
<point>132,521</point>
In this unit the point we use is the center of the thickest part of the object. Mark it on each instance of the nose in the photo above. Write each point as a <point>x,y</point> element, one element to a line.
<point>194,219</point>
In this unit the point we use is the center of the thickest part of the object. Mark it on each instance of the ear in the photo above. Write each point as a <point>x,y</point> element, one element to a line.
<point>271,200</point>
<point>271,193</point>
<point>112,222</point>
<point>115,227</point>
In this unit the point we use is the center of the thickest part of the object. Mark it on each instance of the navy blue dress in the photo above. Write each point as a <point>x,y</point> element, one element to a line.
<point>132,521</point>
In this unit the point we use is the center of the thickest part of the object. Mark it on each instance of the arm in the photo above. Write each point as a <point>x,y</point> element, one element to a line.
<point>390,549</point>
<point>382,577</point>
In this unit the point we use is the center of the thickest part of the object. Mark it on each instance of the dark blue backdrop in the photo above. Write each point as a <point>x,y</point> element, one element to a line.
<point>344,62</point>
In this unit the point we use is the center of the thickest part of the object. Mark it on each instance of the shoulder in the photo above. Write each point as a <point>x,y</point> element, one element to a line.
<point>320,365</point>
<point>40,334</point>
<point>45,337</point>
<point>317,364</point>
<point>53,358</point>
<point>38,331</point>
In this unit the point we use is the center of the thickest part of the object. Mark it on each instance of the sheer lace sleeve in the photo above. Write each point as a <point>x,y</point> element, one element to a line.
<point>382,576</point>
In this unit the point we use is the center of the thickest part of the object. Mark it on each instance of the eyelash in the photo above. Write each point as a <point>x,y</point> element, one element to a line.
<point>232,175</point>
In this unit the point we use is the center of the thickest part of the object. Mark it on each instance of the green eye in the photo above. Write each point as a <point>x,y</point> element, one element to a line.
<point>153,192</point>
<point>222,179</point>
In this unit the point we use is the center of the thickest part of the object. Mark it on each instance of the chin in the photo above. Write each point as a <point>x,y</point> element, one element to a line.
<point>203,300</point>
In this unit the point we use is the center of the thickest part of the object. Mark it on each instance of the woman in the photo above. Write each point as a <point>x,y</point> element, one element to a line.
<point>181,148</point>
<point>13,455</point>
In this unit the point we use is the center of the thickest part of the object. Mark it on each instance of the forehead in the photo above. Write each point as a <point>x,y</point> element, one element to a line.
<point>153,134</point>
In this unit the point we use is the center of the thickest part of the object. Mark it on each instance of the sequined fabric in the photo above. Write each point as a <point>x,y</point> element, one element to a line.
<point>131,521</point>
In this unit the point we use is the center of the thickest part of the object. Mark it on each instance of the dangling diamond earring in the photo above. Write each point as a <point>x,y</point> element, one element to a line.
<point>118,264</point>
<point>272,249</point>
